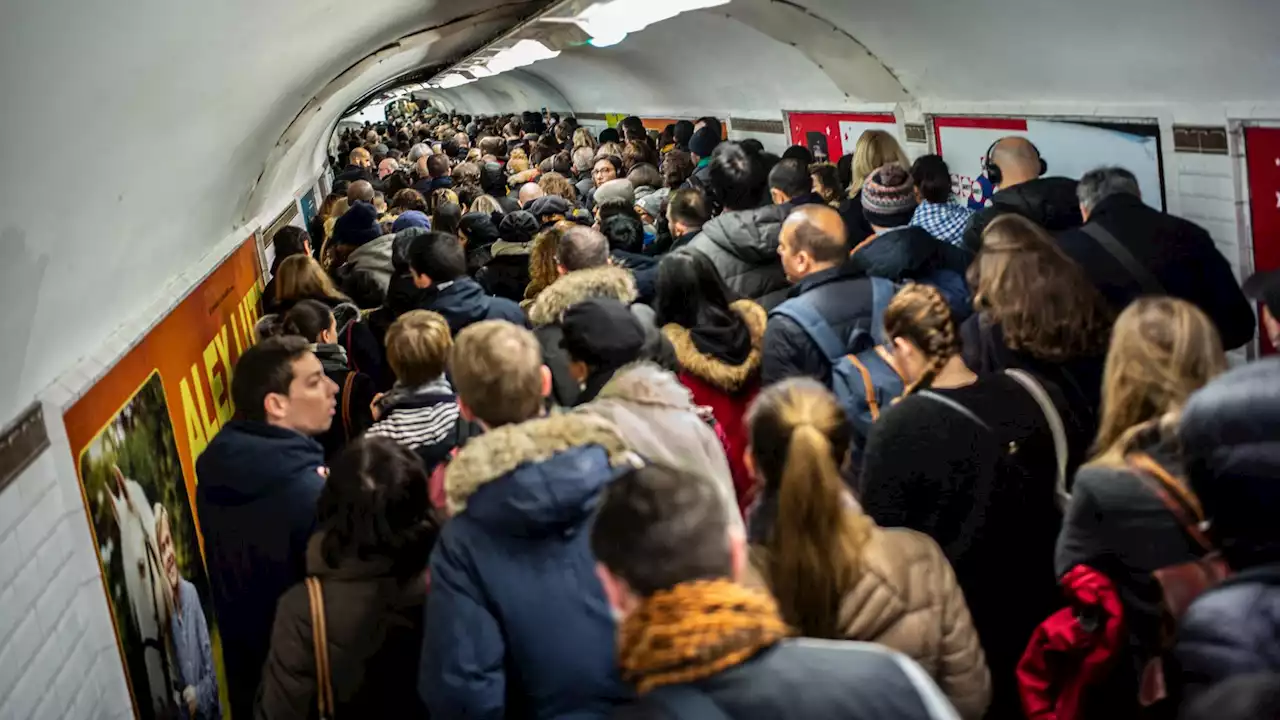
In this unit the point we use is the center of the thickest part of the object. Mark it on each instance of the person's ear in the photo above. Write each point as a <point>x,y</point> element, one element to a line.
<point>778,197</point>
<point>1084,212</point>
<point>546,381</point>
<point>275,405</point>
<point>465,411</point>
<point>615,591</point>
<point>561,270</point>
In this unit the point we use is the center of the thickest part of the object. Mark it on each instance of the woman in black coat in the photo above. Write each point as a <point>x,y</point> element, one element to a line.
<point>1162,350</point>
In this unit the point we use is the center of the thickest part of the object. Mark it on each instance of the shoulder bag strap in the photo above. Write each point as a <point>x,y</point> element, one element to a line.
<point>350,328</point>
<point>685,702</point>
<point>882,292</point>
<point>1056,427</point>
<point>956,407</point>
<point>346,403</point>
<point>320,643</point>
<point>802,312</point>
<point>1184,506</point>
<point>1116,249</point>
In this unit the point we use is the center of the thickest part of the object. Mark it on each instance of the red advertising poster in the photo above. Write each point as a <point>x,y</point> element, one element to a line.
<point>1262,152</point>
<point>829,135</point>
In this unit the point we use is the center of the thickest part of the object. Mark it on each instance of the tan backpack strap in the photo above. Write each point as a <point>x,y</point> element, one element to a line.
<point>320,643</point>
<point>346,404</point>
<point>872,404</point>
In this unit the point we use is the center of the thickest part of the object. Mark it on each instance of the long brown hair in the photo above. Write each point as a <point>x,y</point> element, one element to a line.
<point>1040,297</point>
<point>1162,350</point>
<point>919,314</point>
<point>542,256</point>
<point>300,277</point>
<point>799,439</point>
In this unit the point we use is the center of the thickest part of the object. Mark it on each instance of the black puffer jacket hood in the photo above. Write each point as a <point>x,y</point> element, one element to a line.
<point>1230,432</point>
<point>1050,201</point>
<point>906,253</point>
<point>743,247</point>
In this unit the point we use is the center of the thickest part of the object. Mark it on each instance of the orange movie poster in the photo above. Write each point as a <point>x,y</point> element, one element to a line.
<point>136,435</point>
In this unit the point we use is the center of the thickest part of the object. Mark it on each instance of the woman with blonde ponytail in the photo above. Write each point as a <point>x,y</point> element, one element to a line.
<point>834,573</point>
<point>972,462</point>
<point>1162,351</point>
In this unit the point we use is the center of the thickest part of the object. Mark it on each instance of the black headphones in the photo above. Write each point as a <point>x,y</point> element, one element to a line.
<point>992,170</point>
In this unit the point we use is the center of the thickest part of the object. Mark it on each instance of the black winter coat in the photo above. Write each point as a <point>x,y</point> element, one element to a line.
<point>463,302</point>
<point>1229,631</point>
<point>352,173</point>
<point>1050,201</point>
<point>843,297</point>
<point>907,253</point>
<point>1180,254</point>
<point>356,391</point>
<point>257,506</point>
<point>813,680</point>
<point>856,226</point>
<point>743,247</point>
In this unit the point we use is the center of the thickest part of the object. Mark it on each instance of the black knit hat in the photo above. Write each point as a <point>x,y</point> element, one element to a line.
<point>357,226</point>
<point>602,332</point>
<point>888,196</point>
<point>479,229</point>
<point>704,142</point>
<point>519,227</point>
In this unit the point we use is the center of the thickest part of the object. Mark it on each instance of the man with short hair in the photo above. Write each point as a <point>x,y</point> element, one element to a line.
<point>437,177</point>
<point>673,570</point>
<point>742,242</point>
<point>360,191</point>
<point>687,212</point>
<point>582,258</point>
<point>625,233</point>
<point>260,477</point>
<point>439,264</point>
<point>1016,169</point>
<point>359,167</point>
<point>791,184</point>
<point>814,256</point>
<point>1129,249</point>
<point>701,146</point>
<point>518,625</point>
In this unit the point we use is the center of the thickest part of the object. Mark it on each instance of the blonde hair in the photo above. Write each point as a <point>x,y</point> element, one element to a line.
<point>418,345</point>
<point>553,183</point>
<point>486,204</point>
<point>582,138</point>
<point>517,164</point>
<point>920,315</point>
<point>1162,350</point>
<point>875,148</point>
<point>442,196</point>
<point>300,277</point>
<point>799,439</point>
<point>497,371</point>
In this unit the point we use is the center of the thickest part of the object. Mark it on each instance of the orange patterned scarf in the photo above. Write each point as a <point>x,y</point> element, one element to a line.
<point>696,630</point>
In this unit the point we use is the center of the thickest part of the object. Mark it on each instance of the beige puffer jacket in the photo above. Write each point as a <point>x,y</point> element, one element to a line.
<point>907,599</point>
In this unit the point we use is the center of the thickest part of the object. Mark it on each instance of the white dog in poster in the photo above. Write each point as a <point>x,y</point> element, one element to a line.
<point>145,583</point>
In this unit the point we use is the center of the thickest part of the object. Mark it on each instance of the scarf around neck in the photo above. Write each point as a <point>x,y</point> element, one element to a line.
<point>696,630</point>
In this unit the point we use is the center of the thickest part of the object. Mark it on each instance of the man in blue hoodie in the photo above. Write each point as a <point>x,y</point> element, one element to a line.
<point>439,265</point>
<point>259,479</point>
<point>518,624</point>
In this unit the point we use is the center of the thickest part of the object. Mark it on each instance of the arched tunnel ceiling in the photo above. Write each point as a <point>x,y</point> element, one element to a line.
<point>141,133</point>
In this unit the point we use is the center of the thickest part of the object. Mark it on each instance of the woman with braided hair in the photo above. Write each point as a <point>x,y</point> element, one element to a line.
<point>834,573</point>
<point>972,462</point>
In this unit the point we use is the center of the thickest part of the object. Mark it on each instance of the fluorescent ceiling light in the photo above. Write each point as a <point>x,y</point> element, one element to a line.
<point>453,80</point>
<point>525,52</point>
<point>479,71</point>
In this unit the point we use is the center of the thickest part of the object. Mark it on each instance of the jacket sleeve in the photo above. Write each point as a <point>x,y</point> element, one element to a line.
<point>363,391</point>
<point>977,224</point>
<point>788,353</point>
<point>902,470</point>
<point>1221,298</point>
<point>1080,540</point>
<point>288,687</point>
<point>963,675</point>
<point>461,670</point>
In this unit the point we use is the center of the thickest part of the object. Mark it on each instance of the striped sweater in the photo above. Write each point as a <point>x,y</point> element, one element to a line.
<point>418,417</point>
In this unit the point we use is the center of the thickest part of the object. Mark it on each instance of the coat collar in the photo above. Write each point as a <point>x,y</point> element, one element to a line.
<point>501,450</point>
<point>729,378</point>
<point>602,282</point>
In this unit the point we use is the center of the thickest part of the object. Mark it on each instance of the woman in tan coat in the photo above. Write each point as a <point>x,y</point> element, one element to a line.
<point>834,572</point>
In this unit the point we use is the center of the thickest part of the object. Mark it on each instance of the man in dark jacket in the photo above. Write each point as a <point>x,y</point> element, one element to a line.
<point>702,146</point>
<point>742,242</point>
<point>671,568</point>
<point>1228,431</point>
<point>812,248</point>
<point>585,273</point>
<point>1018,167</point>
<point>436,177</point>
<point>517,624</point>
<point>256,499</point>
<point>791,184</point>
<point>625,234</point>
<point>439,265</point>
<point>359,167</point>
<point>1174,257</point>
<point>687,213</point>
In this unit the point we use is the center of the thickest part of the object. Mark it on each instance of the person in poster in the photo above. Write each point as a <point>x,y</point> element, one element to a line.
<point>140,513</point>
<point>192,653</point>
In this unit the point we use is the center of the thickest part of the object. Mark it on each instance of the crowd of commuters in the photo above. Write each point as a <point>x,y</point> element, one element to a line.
<point>657,425</point>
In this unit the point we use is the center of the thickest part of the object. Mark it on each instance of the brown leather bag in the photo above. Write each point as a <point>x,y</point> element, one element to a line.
<point>1180,584</point>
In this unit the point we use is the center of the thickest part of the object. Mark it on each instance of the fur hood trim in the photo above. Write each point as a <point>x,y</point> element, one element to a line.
<point>730,378</point>
<point>645,383</point>
<point>602,282</point>
<point>498,452</point>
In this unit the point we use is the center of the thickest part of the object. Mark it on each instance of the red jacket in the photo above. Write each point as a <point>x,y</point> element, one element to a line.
<point>1064,658</point>
<point>727,389</point>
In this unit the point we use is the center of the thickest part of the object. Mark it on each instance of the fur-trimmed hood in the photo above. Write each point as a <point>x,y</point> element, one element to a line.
<point>601,282</point>
<point>730,378</point>
<point>645,383</point>
<point>555,466</point>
